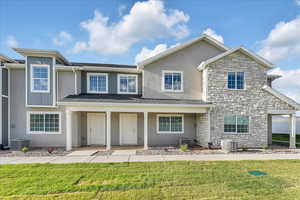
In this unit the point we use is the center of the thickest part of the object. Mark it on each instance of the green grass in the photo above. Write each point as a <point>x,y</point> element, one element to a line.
<point>152,180</point>
<point>284,137</point>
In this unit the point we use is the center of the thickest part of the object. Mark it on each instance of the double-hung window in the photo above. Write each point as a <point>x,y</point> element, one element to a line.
<point>172,81</point>
<point>236,124</point>
<point>40,78</point>
<point>127,84</point>
<point>43,122</point>
<point>235,80</point>
<point>97,83</point>
<point>170,124</point>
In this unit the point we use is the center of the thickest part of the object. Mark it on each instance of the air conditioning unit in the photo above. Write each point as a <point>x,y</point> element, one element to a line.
<point>228,145</point>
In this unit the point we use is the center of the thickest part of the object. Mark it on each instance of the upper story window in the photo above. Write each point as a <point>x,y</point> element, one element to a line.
<point>40,78</point>
<point>235,80</point>
<point>127,84</point>
<point>172,81</point>
<point>97,83</point>
<point>236,124</point>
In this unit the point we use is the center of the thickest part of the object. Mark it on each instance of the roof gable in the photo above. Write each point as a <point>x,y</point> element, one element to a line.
<point>242,49</point>
<point>6,59</point>
<point>177,48</point>
<point>282,97</point>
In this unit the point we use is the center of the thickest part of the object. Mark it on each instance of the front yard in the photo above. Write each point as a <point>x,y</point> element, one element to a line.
<point>152,180</point>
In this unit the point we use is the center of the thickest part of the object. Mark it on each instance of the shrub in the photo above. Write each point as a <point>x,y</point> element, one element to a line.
<point>50,150</point>
<point>183,147</point>
<point>25,149</point>
<point>244,148</point>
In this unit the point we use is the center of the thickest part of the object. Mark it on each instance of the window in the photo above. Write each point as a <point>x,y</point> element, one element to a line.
<point>170,124</point>
<point>172,81</point>
<point>236,124</point>
<point>97,83</point>
<point>127,84</point>
<point>235,80</point>
<point>40,78</point>
<point>43,123</point>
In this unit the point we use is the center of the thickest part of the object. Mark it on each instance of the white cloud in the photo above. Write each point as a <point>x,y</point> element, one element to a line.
<point>283,41</point>
<point>213,34</point>
<point>12,41</point>
<point>62,38</point>
<point>121,9</point>
<point>147,20</point>
<point>146,53</point>
<point>289,83</point>
<point>297,2</point>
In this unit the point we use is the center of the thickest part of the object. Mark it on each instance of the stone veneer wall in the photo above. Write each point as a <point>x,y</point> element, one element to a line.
<point>253,101</point>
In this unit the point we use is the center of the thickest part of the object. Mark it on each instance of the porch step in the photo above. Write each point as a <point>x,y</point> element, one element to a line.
<point>83,153</point>
<point>123,152</point>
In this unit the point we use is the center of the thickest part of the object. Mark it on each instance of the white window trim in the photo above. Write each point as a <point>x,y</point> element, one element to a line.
<point>31,78</point>
<point>236,125</point>
<point>236,81</point>
<point>42,132</point>
<point>169,115</point>
<point>136,83</point>
<point>163,81</point>
<point>88,83</point>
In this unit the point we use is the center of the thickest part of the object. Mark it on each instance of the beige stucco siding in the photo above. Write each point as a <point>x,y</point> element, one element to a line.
<point>186,60</point>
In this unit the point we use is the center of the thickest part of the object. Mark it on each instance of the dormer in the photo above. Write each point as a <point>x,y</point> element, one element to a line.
<point>40,76</point>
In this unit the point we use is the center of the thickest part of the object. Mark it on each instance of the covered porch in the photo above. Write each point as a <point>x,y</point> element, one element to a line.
<point>123,124</point>
<point>292,126</point>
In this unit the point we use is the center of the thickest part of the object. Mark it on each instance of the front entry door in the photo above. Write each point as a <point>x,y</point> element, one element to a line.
<point>128,129</point>
<point>96,129</point>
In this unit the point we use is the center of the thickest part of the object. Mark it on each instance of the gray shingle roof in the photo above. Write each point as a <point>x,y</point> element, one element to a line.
<point>117,98</point>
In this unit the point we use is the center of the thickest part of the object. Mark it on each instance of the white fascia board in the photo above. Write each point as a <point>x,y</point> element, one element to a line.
<point>174,49</point>
<point>14,66</point>
<point>132,104</point>
<point>135,109</point>
<point>6,58</point>
<point>41,52</point>
<point>254,56</point>
<point>282,97</point>
<point>91,68</point>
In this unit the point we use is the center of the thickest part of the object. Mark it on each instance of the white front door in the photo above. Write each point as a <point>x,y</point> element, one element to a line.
<point>128,129</point>
<point>96,129</point>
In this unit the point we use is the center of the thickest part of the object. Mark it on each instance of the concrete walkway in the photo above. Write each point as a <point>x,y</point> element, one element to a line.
<point>146,158</point>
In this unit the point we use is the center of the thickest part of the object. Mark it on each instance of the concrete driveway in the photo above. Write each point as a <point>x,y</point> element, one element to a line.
<point>144,158</point>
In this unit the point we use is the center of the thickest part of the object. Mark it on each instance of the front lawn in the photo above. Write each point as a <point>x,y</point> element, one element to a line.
<point>284,137</point>
<point>152,180</point>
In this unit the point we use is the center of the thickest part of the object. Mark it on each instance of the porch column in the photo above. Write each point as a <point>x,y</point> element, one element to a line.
<point>69,130</point>
<point>108,130</point>
<point>145,130</point>
<point>293,131</point>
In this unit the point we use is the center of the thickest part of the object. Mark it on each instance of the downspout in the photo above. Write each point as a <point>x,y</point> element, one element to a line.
<point>75,80</point>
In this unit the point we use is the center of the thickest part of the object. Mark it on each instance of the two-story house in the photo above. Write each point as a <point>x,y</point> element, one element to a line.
<point>200,90</point>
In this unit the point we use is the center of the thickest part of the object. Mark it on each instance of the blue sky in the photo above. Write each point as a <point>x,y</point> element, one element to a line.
<point>116,31</point>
